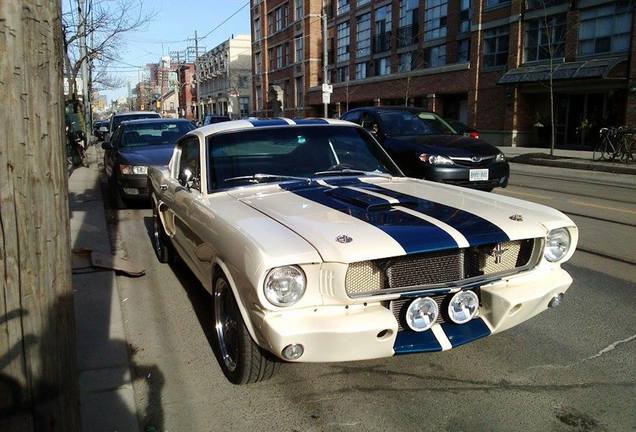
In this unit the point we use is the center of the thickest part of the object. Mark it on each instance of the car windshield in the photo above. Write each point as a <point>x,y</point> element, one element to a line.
<point>276,154</point>
<point>407,123</point>
<point>121,118</point>
<point>154,133</point>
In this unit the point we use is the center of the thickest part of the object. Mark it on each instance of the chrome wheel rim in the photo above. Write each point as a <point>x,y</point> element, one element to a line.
<point>156,235</point>
<point>226,324</point>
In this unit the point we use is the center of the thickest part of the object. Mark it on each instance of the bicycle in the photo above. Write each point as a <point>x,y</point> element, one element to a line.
<point>605,149</point>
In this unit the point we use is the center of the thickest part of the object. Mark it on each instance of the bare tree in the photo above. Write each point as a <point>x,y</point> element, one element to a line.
<point>104,24</point>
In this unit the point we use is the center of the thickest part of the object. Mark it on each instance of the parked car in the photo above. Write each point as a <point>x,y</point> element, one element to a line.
<point>211,119</point>
<point>425,146</point>
<point>117,118</point>
<point>316,248</point>
<point>98,129</point>
<point>136,145</point>
<point>463,128</point>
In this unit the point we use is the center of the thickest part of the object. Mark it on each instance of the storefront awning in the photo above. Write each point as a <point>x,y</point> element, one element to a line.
<point>579,70</point>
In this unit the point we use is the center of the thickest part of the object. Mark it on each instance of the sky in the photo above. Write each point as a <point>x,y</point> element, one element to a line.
<point>175,21</point>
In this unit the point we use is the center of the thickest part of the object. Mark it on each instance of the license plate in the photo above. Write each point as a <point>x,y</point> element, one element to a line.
<point>478,175</point>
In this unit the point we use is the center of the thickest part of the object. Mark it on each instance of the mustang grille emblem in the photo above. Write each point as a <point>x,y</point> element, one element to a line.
<point>344,239</point>
<point>516,218</point>
<point>497,253</point>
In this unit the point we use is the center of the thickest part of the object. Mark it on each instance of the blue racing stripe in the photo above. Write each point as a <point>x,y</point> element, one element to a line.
<point>311,121</point>
<point>408,341</point>
<point>268,122</point>
<point>415,235</point>
<point>460,334</point>
<point>477,230</point>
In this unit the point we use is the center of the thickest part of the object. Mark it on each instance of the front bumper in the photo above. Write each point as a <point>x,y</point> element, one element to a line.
<point>133,187</point>
<point>498,173</point>
<point>367,331</point>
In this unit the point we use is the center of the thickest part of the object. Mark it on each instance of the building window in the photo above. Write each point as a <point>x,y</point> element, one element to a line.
<point>271,59</point>
<point>343,6</point>
<point>258,63</point>
<point>406,62</point>
<point>464,16</point>
<point>545,38</point>
<point>361,70</point>
<point>363,35</point>
<point>494,3</point>
<point>342,42</point>
<point>605,29</point>
<point>496,47</point>
<point>257,29</point>
<point>342,74</point>
<point>383,66</point>
<point>463,51</point>
<point>299,10</point>
<point>435,19</point>
<point>361,3</point>
<point>279,56</point>
<point>299,45</point>
<point>407,30</point>
<point>288,53</point>
<point>244,106</point>
<point>277,20</point>
<point>300,95</point>
<point>435,56</point>
<point>259,98</point>
<point>382,29</point>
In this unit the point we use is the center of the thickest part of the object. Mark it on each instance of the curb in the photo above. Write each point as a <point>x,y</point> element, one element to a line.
<point>578,165</point>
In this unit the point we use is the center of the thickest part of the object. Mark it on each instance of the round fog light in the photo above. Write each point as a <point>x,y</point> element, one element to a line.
<point>422,314</point>
<point>293,351</point>
<point>463,307</point>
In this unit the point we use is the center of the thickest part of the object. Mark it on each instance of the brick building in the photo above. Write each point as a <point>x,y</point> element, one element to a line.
<point>487,63</point>
<point>187,91</point>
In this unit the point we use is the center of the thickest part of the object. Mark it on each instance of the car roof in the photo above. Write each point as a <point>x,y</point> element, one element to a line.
<point>238,125</point>
<point>127,113</point>
<point>154,120</point>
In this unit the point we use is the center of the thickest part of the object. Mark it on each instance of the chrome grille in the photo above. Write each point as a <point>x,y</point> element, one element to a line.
<point>440,268</point>
<point>468,162</point>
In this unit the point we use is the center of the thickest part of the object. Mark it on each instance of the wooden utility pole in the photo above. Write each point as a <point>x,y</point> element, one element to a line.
<point>38,373</point>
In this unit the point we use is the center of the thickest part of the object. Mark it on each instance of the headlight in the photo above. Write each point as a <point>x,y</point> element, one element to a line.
<point>500,158</point>
<point>557,244</point>
<point>436,159</point>
<point>463,307</point>
<point>284,286</point>
<point>422,314</point>
<point>133,169</point>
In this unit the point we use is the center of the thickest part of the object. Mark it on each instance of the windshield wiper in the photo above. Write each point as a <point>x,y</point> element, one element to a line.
<point>259,177</point>
<point>347,171</point>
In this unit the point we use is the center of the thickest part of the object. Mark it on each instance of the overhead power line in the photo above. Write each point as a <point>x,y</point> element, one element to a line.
<point>226,20</point>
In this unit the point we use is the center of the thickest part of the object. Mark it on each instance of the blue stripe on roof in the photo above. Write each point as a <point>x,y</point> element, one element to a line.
<point>311,121</point>
<point>268,122</point>
<point>460,334</point>
<point>477,230</point>
<point>408,341</point>
<point>414,234</point>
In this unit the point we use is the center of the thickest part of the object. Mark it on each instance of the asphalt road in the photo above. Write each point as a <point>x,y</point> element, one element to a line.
<point>569,369</point>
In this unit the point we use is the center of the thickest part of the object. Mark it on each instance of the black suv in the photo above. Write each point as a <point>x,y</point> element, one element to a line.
<point>425,146</point>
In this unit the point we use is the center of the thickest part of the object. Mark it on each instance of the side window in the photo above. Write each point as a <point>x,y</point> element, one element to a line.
<point>353,117</point>
<point>116,136</point>
<point>189,164</point>
<point>370,123</point>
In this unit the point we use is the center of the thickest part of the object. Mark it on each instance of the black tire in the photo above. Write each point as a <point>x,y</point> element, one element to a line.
<point>242,361</point>
<point>160,240</point>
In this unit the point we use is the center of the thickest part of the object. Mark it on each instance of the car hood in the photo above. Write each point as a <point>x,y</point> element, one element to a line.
<point>449,145</point>
<point>147,155</point>
<point>356,219</point>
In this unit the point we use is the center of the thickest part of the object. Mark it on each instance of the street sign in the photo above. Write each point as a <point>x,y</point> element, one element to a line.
<point>327,88</point>
<point>326,97</point>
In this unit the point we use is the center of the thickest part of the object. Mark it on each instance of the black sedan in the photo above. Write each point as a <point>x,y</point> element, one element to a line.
<point>136,145</point>
<point>99,124</point>
<point>425,146</point>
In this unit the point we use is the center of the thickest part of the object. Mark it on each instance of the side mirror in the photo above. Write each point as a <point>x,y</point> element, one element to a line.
<point>107,145</point>
<point>186,178</point>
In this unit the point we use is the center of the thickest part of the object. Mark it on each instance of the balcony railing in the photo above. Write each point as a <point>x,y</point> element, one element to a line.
<point>382,42</point>
<point>407,35</point>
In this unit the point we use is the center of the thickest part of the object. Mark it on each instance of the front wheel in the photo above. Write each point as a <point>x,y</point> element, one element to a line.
<point>242,361</point>
<point>161,242</point>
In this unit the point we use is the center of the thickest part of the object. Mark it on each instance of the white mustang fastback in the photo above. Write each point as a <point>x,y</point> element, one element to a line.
<point>316,248</point>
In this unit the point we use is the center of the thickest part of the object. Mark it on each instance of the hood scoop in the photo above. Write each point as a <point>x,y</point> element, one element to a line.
<point>366,201</point>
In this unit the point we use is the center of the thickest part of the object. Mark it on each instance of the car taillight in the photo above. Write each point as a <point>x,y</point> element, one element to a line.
<point>474,134</point>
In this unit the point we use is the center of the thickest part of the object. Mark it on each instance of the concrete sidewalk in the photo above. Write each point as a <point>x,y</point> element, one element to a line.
<point>574,159</point>
<point>106,394</point>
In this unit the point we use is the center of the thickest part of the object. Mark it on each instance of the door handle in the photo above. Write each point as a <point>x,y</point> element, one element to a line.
<point>163,187</point>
